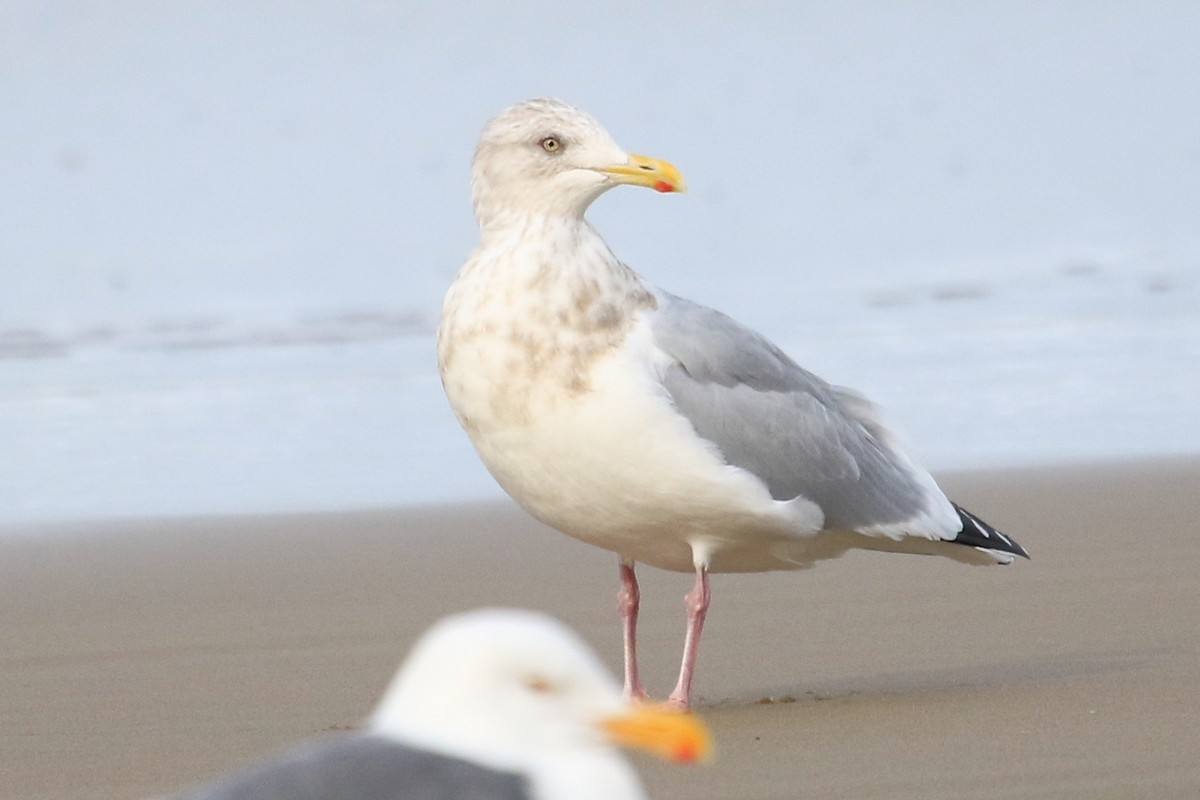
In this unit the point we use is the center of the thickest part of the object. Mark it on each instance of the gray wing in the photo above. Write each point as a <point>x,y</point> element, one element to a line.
<point>365,767</point>
<point>795,432</point>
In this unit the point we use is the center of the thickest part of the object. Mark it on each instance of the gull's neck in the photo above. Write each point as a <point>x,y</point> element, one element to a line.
<point>530,233</point>
<point>561,261</point>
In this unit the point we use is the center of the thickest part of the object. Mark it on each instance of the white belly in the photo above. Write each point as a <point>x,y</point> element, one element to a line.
<point>617,466</point>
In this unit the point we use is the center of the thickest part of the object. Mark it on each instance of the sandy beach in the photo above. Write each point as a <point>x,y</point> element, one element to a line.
<point>141,656</point>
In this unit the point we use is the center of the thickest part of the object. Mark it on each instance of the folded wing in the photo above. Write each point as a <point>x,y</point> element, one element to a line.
<point>799,435</point>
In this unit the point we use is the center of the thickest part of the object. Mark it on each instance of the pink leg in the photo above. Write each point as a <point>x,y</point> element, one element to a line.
<point>628,600</point>
<point>697,607</point>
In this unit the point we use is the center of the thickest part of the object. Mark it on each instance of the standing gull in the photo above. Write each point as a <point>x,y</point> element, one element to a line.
<point>644,423</point>
<point>490,705</point>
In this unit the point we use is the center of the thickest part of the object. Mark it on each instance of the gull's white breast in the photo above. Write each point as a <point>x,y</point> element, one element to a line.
<point>571,419</point>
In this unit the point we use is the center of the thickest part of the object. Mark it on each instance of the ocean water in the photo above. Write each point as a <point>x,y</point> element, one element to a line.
<point>225,228</point>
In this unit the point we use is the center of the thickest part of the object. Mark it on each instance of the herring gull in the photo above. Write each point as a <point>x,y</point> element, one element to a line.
<point>646,424</point>
<point>493,704</point>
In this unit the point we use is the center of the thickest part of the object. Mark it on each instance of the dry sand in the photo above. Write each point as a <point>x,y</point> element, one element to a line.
<point>141,656</point>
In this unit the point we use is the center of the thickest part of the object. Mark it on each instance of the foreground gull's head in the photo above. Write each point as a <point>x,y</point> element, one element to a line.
<point>490,704</point>
<point>544,157</point>
<point>512,686</point>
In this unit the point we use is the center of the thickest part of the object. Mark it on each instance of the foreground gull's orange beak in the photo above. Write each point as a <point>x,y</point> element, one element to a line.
<point>645,171</point>
<point>667,732</point>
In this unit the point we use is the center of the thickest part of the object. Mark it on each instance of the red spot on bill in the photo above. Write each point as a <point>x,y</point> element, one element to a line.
<point>663,186</point>
<point>687,753</point>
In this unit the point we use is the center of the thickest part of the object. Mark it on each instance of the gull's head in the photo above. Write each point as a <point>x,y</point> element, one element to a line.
<point>544,157</point>
<point>514,688</point>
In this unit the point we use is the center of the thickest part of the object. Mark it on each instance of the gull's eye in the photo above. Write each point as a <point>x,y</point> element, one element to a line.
<point>539,684</point>
<point>551,144</point>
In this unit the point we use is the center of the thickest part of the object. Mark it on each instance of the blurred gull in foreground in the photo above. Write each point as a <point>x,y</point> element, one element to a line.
<point>649,425</point>
<point>490,705</point>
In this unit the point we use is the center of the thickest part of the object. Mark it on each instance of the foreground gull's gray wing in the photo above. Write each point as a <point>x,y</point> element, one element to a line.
<point>795,432</point>
<point>364,767</point>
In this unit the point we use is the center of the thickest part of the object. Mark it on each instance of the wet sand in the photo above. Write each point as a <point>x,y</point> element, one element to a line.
<point>140,656</point>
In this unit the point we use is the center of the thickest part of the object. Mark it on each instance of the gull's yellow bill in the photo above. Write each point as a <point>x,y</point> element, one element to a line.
<point>669,733</point>
<point>653,173</point>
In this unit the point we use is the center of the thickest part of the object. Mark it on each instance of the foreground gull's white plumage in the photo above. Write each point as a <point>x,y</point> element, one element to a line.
<point>647,424</point>
<point>490,705</point>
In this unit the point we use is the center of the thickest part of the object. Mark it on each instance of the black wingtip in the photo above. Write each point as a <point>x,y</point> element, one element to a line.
<point>977,533</point>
